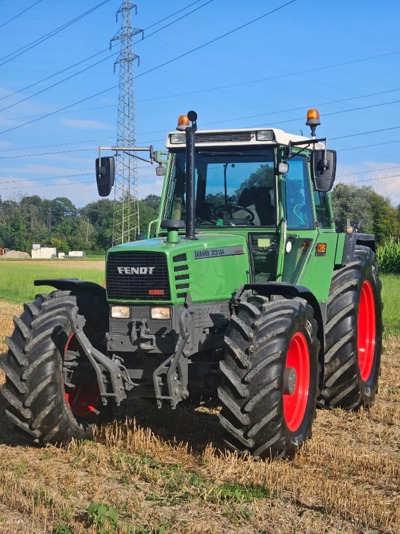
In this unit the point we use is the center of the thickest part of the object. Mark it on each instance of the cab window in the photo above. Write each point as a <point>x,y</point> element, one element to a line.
<point>234,187</point>
<point>298,197</point>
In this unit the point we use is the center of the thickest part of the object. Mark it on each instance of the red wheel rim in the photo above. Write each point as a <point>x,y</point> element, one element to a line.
<point>84,398</point>
<point>295,403</point>
<point>366,331</point>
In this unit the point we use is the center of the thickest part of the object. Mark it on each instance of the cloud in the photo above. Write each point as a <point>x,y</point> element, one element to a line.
<point>86,124</point>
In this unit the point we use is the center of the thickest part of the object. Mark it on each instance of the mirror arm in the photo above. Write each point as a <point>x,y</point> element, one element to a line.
<point>307,143</point>
<point>131,151</point>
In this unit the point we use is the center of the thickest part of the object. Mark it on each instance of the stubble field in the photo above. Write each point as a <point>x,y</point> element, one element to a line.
<point>160,471</point>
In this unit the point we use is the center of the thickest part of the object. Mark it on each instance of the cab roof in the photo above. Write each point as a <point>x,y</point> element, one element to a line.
<point>236,136</point>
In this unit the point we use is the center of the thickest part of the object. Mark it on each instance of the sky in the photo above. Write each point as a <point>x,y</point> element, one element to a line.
<point>237,64</point>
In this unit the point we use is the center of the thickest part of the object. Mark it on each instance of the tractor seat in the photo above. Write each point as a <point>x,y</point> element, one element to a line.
<point>258,199</point>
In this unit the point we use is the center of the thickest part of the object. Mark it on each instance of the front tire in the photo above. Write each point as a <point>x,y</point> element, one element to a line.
<point>51,388</point>
<point>269,377</point>
<point>353,334</point>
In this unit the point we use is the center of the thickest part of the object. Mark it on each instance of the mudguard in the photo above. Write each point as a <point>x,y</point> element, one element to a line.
<point>71,284</point>
<point>291,291</point>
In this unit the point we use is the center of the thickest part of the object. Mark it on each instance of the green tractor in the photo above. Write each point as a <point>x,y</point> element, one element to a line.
<point>243,295</point>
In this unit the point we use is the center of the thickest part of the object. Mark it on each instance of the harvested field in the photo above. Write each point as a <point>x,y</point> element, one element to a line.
<point>166,471</point>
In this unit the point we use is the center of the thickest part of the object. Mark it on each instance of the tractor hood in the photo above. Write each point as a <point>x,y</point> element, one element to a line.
<point>210,268</point>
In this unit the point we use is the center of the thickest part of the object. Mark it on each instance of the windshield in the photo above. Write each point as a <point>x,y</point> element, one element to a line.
<point>235,188</point>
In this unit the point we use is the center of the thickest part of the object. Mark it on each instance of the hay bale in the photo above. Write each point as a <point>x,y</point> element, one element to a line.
<point>17,254</point>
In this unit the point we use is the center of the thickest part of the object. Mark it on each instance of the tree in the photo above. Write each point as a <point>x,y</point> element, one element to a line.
<point>385,221</point>
<point>147,214</point>
<point>351,205</point>
<point>153,201</point>
<point>100,215</point>
<point>35,219</point>
<point>60,208</point>
<point>366,210</point>
<point>13,229</point>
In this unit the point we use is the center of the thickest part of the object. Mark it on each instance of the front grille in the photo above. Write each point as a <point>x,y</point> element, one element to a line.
<point>224,137</point>
<point>137,275</point>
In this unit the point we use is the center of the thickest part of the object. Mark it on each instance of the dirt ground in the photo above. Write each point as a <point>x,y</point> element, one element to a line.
<point>167,471</point>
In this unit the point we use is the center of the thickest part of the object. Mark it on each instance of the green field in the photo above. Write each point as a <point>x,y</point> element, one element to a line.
<point>16,277</point>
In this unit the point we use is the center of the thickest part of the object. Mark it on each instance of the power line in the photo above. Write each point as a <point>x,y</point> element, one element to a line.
<point>174,21</point>
<point>47,36</point>
<point>41,179</point>
<point>2,182</point>
<point>291,120</point>
<point>60,109</point>
<point>49,185</point>
<point>53,145</point>
<point>173,14</point>
<point>57,73</point>
<point>89,66</point>
<point>49,153</point>
<point>19,14</point>
<point>379,178</point>
<point>368,172</point>
<point>55,84</point>
<point>370,146</point>
<point>151,70</point>
<point>301,108</point>
<point>370,179</point>
<point>217,38</point>
<point>360,108</point>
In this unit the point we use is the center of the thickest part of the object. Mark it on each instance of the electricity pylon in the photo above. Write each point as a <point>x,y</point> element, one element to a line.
<point>126,223</point>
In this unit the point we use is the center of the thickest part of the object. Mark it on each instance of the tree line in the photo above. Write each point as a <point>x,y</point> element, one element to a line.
<point>59,223</point>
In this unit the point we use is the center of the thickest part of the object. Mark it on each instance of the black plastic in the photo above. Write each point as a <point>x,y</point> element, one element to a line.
<point>105,175</point>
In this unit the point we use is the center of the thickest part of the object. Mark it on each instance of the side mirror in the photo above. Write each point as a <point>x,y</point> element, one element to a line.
<point>323,168</point>
<point>105,175</point>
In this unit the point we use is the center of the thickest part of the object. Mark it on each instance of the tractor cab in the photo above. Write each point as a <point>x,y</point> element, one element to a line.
<point>256,182</point>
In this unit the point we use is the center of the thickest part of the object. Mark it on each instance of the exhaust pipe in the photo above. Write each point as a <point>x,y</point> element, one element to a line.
<point>190,169</point>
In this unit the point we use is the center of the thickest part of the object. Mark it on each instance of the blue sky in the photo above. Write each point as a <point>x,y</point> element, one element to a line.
<point>259,70</point>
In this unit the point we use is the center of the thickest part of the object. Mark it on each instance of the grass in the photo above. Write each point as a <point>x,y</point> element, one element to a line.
<point>17,277</point>
<point>391,300</point>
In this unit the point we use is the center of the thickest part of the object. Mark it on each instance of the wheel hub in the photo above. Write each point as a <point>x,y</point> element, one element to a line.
<point>289,380</point>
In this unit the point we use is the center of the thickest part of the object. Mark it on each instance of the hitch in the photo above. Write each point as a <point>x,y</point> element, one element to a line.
<point>175,368</point>
<point>101,363</point>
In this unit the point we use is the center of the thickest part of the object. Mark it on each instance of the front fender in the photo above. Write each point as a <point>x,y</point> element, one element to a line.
<point>73,284</point>
<point>291,291</point>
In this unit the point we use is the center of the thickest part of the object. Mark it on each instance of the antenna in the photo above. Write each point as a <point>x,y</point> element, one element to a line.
<point>126,224</point>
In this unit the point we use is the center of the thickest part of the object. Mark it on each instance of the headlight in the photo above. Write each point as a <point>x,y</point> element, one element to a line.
<point>160,313</point>
<point>265,135</point>
<point>120,312</point>
<point>177,138</point>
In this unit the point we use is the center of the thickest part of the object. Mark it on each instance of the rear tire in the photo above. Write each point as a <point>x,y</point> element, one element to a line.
<point>353,334</point>
<point>51,388</point>
<point>269,377</point>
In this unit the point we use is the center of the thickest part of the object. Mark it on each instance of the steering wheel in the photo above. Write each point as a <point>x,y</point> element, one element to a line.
<point>233,208</point>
